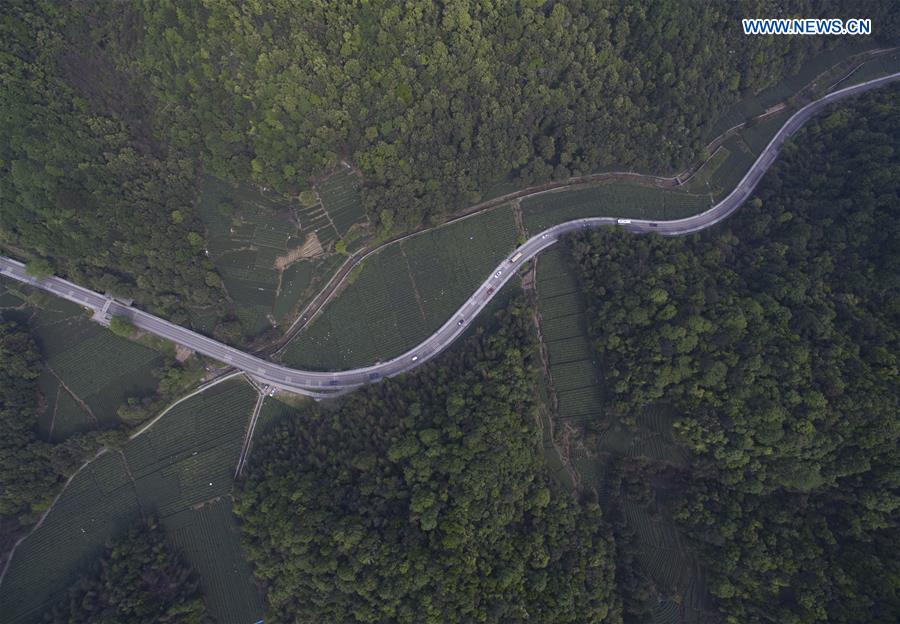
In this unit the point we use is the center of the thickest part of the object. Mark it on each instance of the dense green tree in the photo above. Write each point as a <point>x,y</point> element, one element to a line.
<point>84,180</point>
<point>434,101</point>
<point>122,326</point>
<point>112,111</point>
<point>139,580</point>
<point>777,335</point>
<point>425,500</point>
<point>39,268</point>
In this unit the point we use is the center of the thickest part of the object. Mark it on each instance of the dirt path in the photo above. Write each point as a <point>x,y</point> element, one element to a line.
<point>131,478</point>
<point>251,428</point>
<point>519,219</point>
<point>53,416</point>
<point>77,398</point>
<point>412,280</point>
<point>562,450</point>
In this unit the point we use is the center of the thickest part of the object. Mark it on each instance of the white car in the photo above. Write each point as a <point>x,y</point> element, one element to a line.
<point>415,357</point>
<point>498,273</point>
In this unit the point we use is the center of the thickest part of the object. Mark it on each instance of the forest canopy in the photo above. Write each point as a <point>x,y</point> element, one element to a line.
<point>113,111</point>
<point>436,101</point>
<point>425,500</point>
<point>777,336</point>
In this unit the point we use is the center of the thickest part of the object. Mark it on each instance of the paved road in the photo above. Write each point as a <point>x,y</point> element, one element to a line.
<point>312,382</point>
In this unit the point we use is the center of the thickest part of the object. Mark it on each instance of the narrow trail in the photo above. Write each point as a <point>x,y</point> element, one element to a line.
<point>77,398</point>
<point>251,428</point>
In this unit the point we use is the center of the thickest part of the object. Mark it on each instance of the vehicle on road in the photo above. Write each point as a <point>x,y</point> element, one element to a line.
<point>374,376</point>
<point>415,357</point>
<point>333,382</point>
<point>544,236</point>
<point>654,225</point>
<point>515,257</point>
<point>498,273</point>
<point>460,322</point>
<point>623,221</point>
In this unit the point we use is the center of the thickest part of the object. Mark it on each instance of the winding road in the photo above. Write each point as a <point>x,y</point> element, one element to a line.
<point>316,383</point>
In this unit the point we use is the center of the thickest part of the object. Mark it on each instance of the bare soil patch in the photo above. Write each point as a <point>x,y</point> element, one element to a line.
<point>310,248</point>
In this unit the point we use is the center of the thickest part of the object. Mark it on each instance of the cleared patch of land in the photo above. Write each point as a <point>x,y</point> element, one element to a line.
<point>273,252</point>
<point>405,292</point>
<point>310,248</point>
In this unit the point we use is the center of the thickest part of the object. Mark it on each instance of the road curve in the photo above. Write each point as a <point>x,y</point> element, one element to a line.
<point>315,382</point>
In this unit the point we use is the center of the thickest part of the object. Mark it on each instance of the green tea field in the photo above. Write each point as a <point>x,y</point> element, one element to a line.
<point>99,502</point>
<point>272,252</point>
<point>180,469</point>
<point>88,371</point>
<point>404,293</point>
<point>572,367</point>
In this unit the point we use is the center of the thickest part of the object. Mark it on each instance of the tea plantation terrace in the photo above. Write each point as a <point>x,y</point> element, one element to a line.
<point>316,383</point>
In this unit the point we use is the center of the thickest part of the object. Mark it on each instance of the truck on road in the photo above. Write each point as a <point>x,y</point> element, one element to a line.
<point>515,257</point>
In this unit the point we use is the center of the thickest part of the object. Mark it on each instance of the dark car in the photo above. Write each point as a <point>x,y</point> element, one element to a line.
<point>460,322</point>
<point>374,376</point>
<point>333,382</point>
<point>654,224</point>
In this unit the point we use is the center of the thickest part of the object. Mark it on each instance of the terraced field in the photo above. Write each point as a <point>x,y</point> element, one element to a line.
<point>340,194</point>
<point>89,371</point>
<point>180,469</point>
<point>733,168</point>
<point>210,540</point>
<point>757,136</point>
<point>272,251</point>
<point>404,293</point>
<point>572,367</point>
<point>614,199</point>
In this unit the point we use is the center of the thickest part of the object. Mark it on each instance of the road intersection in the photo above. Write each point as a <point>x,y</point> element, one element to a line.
<point>317,383</point>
